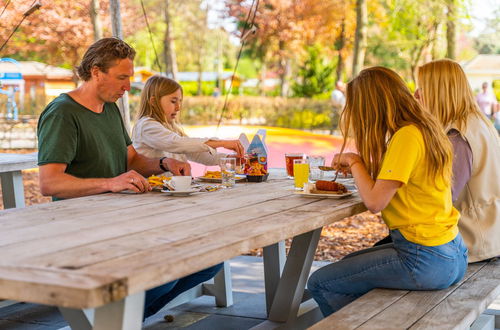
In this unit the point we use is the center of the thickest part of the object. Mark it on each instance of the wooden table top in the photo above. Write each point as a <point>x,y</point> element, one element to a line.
<point>17,162</point>
<point>86,252</point>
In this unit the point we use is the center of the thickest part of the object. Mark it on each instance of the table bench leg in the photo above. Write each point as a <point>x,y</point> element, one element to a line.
<point>223,288</point>
<point>274,262</point>
<point>291,286</point>
<point>125,314</point>
<point>12,189</point>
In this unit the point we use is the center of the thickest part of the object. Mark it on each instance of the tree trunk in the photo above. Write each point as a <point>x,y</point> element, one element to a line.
<point>339,46</point>
<point>284,64</point>
<point>116,24</point>
<point>200,72</point>
<point>451,33</point>
<point>96,19</point>
<point>169,55</point>
<point>360,38</point>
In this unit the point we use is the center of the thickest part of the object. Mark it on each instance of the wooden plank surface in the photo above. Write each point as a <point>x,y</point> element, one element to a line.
<point>466,303</point>
<point>415,305</point>
<point>402,309</point>
<point>107,246</point>
<point>360,310</point>
<point>17,162</point>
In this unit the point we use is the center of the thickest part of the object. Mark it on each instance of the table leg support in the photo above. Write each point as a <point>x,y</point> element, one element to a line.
<point>12,189</point>
<point>223,288</point>
<point>290,289</point>
<point>274,262</point>
<point>125,314</point>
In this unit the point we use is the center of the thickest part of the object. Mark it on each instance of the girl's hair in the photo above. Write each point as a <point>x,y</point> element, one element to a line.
<point>446,93</point>
<point>378,103</point>
<point>155,88</point>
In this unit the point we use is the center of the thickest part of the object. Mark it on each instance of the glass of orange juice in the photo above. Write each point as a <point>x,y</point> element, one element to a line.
<point>300,172</point>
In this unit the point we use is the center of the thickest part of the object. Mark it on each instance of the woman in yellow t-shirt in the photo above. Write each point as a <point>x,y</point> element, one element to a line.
<point>404,170</point>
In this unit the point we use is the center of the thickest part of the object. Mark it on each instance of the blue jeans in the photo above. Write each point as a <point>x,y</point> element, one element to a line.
<point>398,265</point>
<point>158,297</point>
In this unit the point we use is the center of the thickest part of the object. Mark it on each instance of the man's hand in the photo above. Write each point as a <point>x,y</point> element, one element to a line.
<point>130,180</point>
<point>177,167</point>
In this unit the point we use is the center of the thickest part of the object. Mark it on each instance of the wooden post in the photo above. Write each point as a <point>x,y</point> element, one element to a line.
<point>116,24</point>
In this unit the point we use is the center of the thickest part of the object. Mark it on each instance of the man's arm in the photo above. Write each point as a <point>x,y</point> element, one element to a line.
<point>149,166</point>
<point>55,182</point>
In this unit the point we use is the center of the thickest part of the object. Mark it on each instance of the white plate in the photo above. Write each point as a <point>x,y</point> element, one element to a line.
<point>237,178</point>
<point>336,196</point>
<point>180,192</point>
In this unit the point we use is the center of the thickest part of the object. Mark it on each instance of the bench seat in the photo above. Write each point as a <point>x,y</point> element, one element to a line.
<point>456,307</point>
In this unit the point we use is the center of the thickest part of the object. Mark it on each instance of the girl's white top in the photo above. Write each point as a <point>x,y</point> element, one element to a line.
<point>152,139</point>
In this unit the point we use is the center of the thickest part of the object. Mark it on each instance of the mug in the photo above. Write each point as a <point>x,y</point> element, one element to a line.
<point>181,183</point>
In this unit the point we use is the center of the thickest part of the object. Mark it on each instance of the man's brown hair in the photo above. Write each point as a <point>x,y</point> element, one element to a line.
<point>103,54</point>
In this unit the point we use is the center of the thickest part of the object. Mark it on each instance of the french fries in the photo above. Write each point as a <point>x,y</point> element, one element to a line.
<point>157,180</point>
<point>213,174</point>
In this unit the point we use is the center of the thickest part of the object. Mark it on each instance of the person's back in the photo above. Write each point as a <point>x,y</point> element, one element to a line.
<point>479,200</point>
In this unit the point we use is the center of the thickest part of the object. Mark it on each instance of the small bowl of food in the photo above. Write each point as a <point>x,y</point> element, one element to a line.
<point>257,178</point>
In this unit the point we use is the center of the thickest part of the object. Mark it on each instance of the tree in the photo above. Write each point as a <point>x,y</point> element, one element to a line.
<point>169,55</point>
<point>285,28</point>
<point>95,17</point>
<point>314,76</point>
<point>451,33</point>
<point>360,41</point>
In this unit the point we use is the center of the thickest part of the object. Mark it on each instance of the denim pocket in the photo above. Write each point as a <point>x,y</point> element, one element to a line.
<point>446,251</point>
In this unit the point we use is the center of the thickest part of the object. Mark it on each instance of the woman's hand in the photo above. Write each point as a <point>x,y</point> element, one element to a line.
<point>344,161</point>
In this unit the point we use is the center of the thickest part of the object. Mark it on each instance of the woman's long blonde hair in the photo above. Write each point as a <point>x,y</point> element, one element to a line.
<point>446,93</point>
<point>378,103</point>
<point>155,88</point>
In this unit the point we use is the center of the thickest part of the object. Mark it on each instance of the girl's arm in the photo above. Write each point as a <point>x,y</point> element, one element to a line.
<point>157,136</point>
<point>375,194</point>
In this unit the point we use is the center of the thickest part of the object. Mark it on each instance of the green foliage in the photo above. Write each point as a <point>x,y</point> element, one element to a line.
<point>314,76</point>
<point>300,113</point>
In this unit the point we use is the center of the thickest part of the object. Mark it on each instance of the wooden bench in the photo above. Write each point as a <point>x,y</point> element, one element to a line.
<point>458,307</point>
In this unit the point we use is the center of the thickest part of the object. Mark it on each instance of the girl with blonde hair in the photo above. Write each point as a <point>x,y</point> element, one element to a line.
<point>158,132</point>
<point>404,170</point>
<point>444,91</point>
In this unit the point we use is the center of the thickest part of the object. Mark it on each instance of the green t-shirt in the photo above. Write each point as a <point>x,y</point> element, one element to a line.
<point>94,145</point>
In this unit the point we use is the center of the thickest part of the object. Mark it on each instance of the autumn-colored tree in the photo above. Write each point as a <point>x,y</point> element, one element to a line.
<point>58,33</point>
<point>284,28</point>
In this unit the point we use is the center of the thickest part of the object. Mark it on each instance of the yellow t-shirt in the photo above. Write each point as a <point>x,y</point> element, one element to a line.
<point>422,208</point>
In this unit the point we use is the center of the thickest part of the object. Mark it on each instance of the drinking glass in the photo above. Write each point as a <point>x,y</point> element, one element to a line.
<point>314,163</point>
<point>289,158</point>
<point>301,173</point>
<point>228,171</point>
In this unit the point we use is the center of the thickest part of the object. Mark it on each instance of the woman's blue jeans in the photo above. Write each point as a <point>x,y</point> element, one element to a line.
<point>158,297</point>
<point>398,265</point>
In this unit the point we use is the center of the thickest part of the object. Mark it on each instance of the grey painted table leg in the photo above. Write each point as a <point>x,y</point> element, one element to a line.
<point>125,314</point>
<point>274,262</point>
<point>291,287</point>
<point>12,189</point>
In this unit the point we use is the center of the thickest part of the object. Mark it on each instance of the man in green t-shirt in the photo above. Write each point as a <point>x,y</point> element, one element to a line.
<point>83,146</point>
<point>84,149</point>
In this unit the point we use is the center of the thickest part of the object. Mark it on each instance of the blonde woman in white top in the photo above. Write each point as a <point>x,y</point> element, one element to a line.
<point>446,93</point>
<point>158,132</point>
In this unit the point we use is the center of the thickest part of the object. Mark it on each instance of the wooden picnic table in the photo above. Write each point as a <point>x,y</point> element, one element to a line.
<point>12,179</point>
<point>102,252</point>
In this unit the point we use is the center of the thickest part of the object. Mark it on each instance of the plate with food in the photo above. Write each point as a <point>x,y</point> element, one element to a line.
<point>216,177</point>
<point>157,181</point>
<point>328,189</point>
<point>180,192</point>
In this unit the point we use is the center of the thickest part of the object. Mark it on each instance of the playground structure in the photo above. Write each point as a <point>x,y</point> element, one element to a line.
<point>11,82</point>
